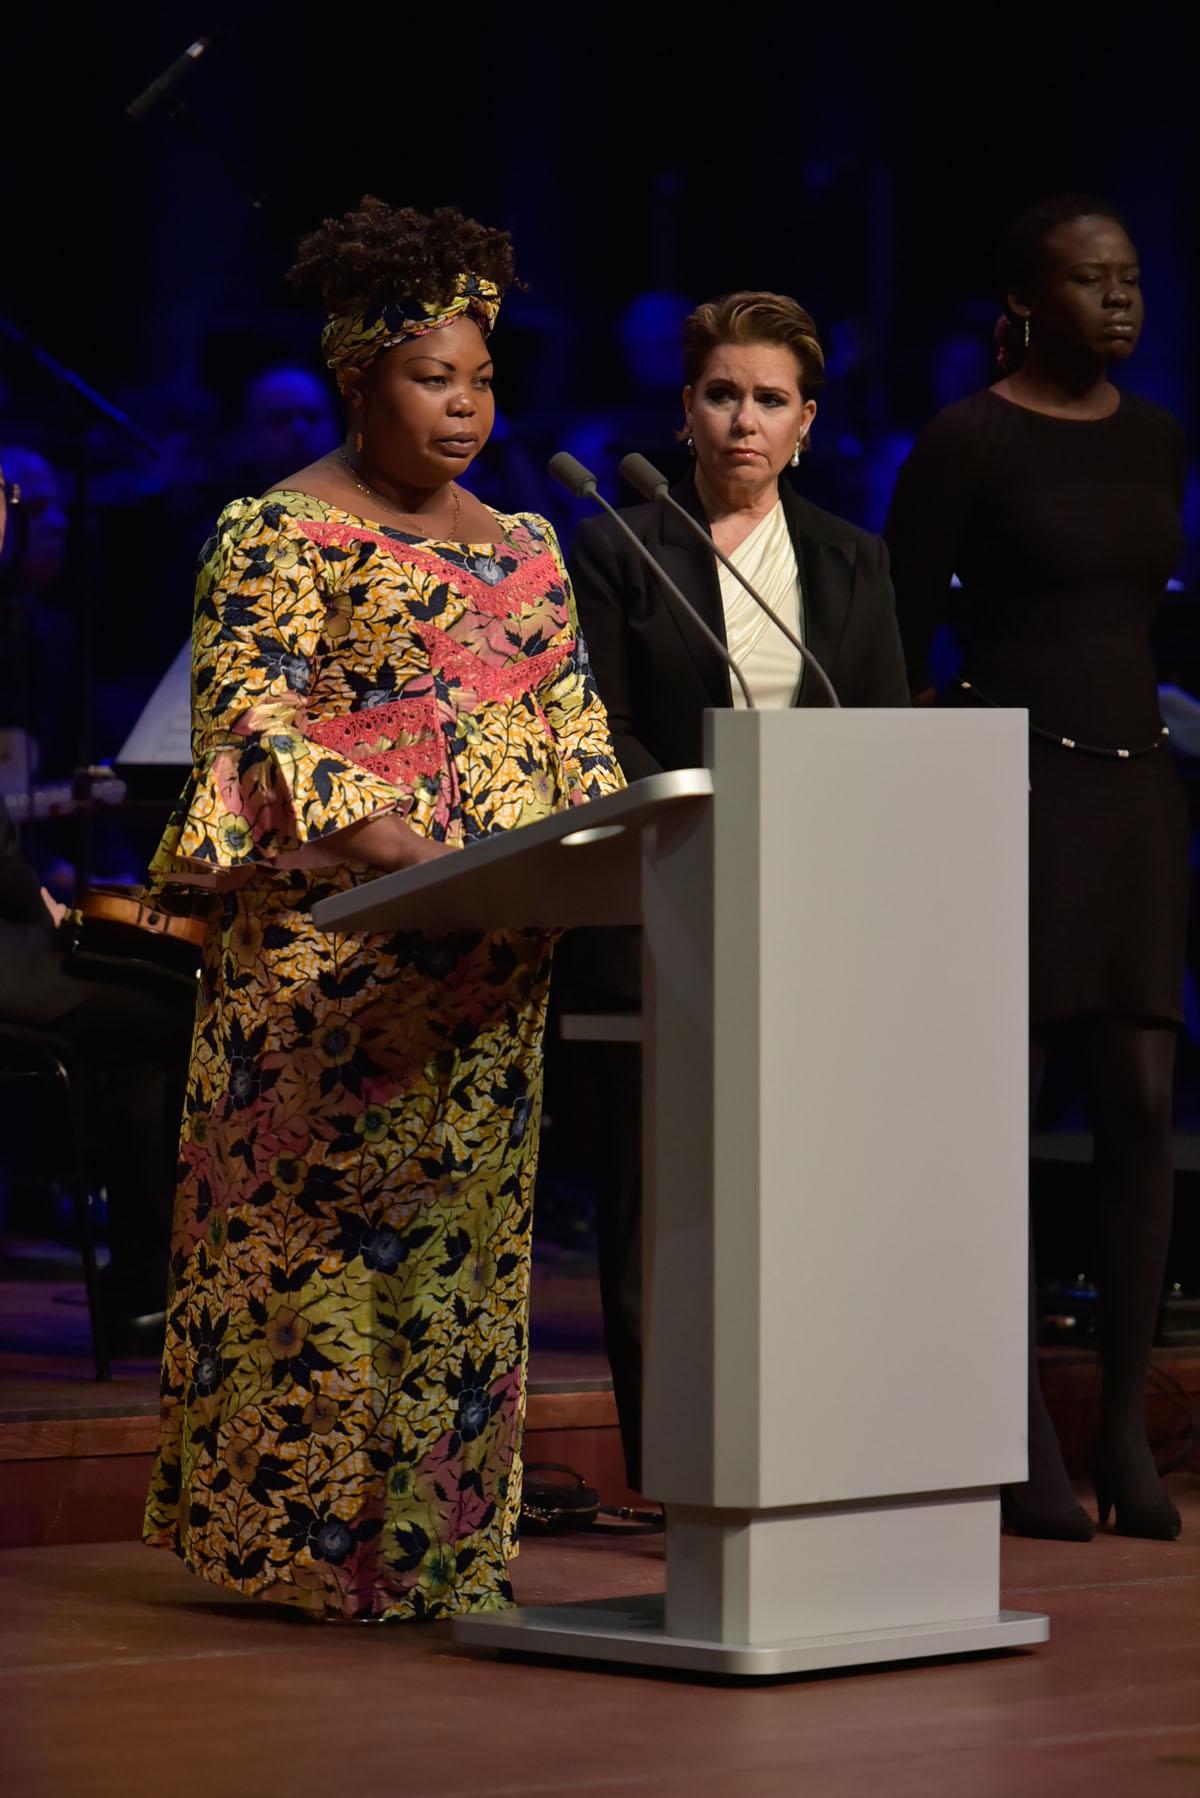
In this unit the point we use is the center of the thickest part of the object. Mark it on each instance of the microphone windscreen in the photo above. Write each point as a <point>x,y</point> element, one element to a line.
<point>574,476</point>
<point>644,476</point>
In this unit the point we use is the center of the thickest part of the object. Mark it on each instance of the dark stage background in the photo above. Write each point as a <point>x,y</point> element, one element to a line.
<point>644,161</point>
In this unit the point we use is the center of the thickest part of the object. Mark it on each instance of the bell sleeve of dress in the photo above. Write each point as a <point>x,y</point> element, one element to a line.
<point>261,788</point>
<point>926,526</point>
<point>573,709</point>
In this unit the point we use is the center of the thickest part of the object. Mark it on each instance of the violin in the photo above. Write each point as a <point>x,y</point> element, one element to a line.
<point>114,929</point>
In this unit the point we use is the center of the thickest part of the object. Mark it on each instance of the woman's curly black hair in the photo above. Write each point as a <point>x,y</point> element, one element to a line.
<point>380,253</point>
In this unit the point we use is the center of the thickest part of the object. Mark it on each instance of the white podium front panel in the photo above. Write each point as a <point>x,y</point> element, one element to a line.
<point>840,1179</point>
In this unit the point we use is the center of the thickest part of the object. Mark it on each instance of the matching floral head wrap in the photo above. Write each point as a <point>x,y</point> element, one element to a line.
<point>354,342</point>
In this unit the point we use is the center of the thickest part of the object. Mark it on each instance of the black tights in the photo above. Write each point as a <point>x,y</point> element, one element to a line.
<point>1131,1068</point>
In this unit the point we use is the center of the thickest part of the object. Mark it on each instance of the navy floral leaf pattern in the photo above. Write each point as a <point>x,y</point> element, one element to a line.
<point>344,1377</point>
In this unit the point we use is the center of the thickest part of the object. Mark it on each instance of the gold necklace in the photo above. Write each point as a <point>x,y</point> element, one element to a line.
<point>392,506</point>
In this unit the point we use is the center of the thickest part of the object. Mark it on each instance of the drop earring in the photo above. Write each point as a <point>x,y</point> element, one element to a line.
<point>358,443</point>
<point>1027,331</point>
<point>691,446</point>
<point>796,452</point>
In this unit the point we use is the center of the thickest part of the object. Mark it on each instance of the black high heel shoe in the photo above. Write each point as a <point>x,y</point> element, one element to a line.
<point>1072,1524</point>
<point>1154,1519</point>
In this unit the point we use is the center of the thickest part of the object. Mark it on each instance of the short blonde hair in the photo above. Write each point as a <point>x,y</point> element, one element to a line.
<point>754,318</point>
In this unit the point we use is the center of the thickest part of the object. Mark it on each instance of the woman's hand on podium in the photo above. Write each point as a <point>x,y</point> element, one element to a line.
<point>387,843</point>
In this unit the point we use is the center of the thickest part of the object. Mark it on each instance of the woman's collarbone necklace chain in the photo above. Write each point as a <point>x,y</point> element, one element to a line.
<point>382,499</point>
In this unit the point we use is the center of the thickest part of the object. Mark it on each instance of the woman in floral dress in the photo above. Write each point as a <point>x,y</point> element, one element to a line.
<point>383,671</point>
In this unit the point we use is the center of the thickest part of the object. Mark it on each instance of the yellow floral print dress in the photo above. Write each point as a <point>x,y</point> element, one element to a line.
<point>343,1382</point>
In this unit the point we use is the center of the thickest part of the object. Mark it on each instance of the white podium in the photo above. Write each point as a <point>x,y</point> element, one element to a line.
<point>835,1090</point>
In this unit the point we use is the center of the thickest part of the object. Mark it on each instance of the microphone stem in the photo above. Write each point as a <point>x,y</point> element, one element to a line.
<point>669,584</point>
<point>806,655</point>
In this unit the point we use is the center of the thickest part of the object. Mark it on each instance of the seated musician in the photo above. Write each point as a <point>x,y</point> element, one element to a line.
<point>130,1041</point>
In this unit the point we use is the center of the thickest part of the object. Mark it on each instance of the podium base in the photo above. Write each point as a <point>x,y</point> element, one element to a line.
<point>631,1632</point>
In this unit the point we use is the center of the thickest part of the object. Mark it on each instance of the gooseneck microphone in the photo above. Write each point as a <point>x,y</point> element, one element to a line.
<point>159,88</point>
<point>582,483</point>
<point>652,485</point>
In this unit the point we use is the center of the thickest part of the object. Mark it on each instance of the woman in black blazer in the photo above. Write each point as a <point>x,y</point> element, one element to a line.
<point>753,364</point>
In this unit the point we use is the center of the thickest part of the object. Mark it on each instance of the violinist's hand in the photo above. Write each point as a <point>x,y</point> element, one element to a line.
<point>55,907</point>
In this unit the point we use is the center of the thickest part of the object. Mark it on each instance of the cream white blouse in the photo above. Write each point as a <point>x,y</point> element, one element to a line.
<point>772,668</point>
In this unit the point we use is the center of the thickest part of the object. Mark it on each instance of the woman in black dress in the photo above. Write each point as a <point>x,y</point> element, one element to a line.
<point>1055,499</point>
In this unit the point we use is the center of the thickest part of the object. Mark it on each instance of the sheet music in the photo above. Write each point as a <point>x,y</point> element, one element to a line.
<point>163,733</point>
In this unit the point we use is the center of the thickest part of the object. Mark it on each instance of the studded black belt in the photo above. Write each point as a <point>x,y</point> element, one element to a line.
<point>1073,743</point>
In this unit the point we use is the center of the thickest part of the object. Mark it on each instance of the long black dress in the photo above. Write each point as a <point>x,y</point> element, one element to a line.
<point>1063,534</point>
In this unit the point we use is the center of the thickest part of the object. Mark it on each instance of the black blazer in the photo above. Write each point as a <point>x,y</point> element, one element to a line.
<point>657,675</point>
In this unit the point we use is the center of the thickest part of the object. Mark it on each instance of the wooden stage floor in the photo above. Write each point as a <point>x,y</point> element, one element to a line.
<point>120,1674</point>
